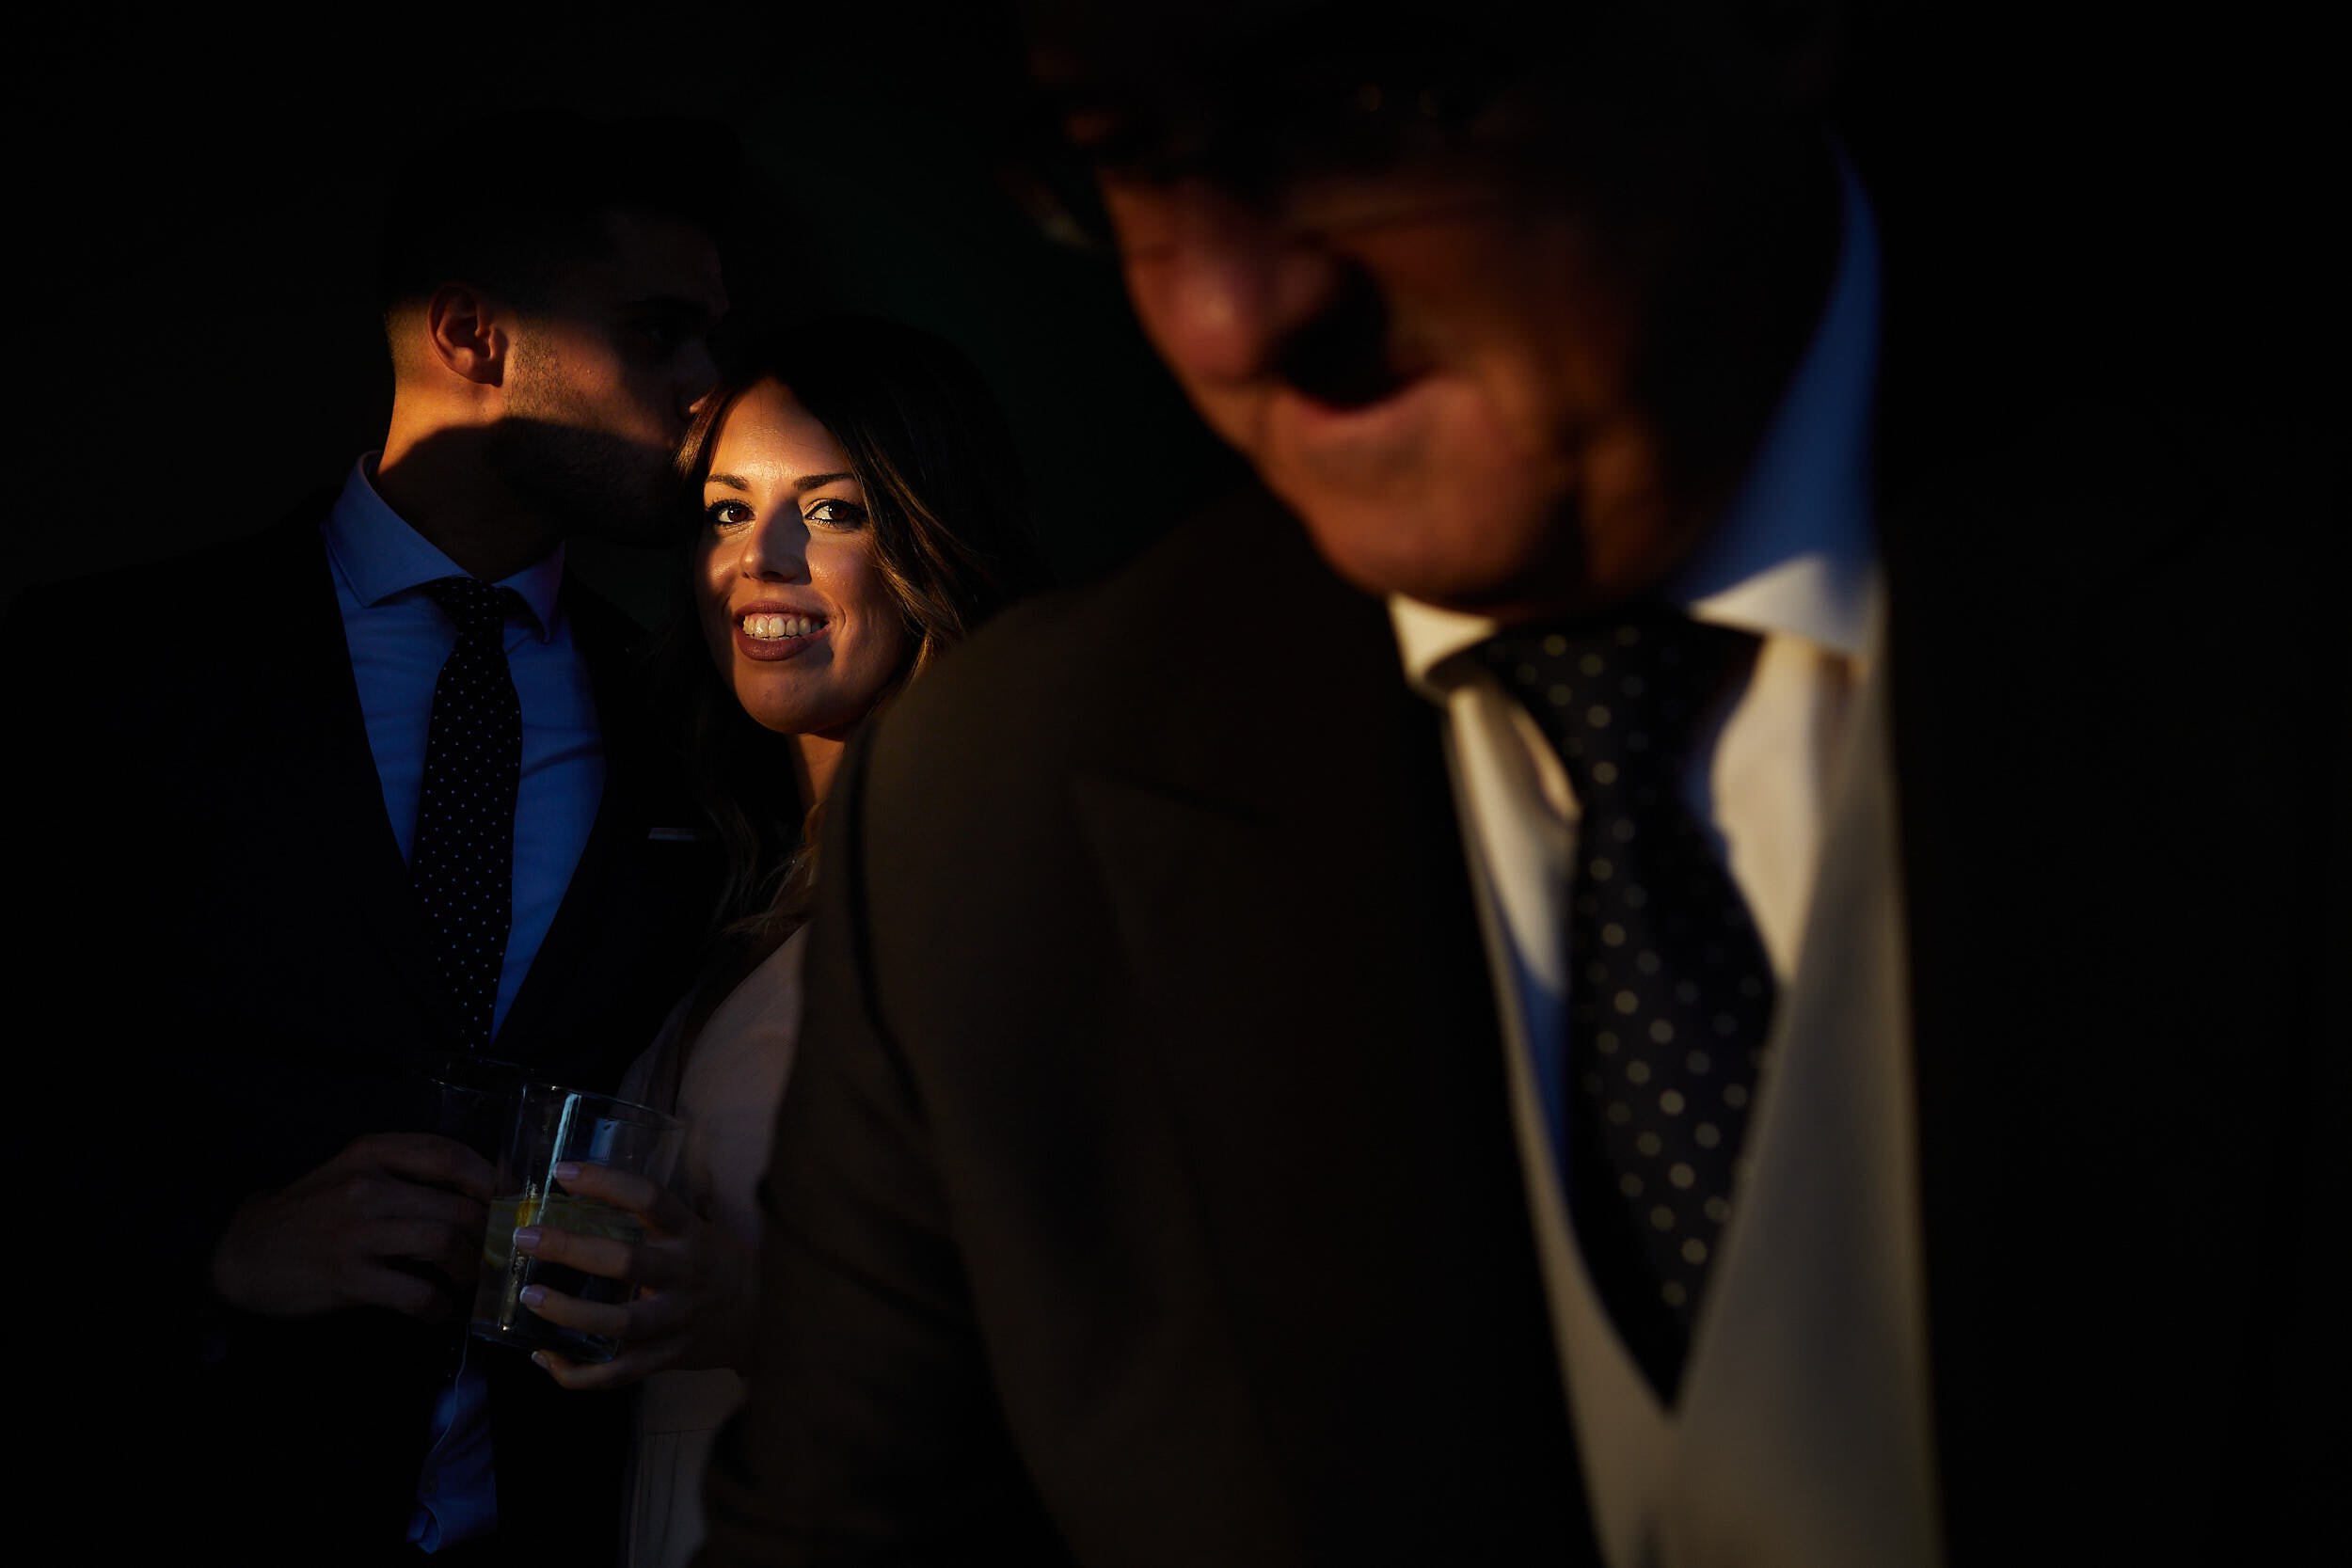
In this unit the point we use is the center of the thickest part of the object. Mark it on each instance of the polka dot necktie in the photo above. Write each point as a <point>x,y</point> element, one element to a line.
<point>1669,988</point>
<point>463,866</point>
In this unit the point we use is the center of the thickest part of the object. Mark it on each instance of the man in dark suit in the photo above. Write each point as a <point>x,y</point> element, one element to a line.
<point>1702,941</point>
<point>249,735</point>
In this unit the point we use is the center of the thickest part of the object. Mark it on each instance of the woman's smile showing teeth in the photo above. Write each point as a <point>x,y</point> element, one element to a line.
<point>768,636</point>
<point>767,626</point>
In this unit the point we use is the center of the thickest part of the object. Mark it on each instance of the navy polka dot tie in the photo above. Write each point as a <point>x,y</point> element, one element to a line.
<point>1669,988</point>
<point>463,866</point>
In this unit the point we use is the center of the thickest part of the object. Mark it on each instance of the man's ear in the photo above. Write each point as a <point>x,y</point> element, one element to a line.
<point>466,329</point>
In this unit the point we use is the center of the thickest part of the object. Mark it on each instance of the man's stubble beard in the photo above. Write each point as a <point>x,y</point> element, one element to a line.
<point>586,482</point>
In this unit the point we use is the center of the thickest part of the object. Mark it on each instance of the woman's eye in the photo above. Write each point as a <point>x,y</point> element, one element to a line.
<point>726,514</point>
<point>835,513</point>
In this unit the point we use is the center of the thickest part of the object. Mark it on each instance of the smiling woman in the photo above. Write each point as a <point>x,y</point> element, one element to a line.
<point>858,509</point>
<point>855,512</point>
<point>794,606</point>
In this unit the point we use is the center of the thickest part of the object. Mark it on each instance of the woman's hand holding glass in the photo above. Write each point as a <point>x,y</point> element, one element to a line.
<point>693,1306</point>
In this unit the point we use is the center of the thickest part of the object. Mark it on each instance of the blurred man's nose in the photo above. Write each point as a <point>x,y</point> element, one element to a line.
<point>1220,284</point>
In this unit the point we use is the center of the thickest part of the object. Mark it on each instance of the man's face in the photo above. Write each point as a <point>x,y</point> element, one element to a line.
<point>602,383</point>
<point>1446,401</point>
<point>1468,368</point>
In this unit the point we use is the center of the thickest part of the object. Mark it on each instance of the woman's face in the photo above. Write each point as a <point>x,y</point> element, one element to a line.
<point>794,608</point>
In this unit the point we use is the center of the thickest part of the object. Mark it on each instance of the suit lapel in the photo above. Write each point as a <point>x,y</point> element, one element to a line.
<point>2105,660</point>
<point>1291,899</point>
<point>306,709</point>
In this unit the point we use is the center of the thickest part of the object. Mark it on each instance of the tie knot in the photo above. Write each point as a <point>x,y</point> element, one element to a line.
<point>478,608</point>
<point>1617,694</point>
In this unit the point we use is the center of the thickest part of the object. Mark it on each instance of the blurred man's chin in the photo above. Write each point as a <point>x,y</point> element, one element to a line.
<point>1453,557</point>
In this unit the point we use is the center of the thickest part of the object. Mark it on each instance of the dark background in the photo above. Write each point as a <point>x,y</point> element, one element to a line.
<point>194,212</point>
<point>191,211</point>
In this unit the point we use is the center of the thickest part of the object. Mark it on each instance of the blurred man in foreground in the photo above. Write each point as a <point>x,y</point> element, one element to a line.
<point>1700,941</point>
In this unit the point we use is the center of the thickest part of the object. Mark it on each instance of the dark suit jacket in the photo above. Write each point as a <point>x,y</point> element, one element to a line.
<point>1146,1191</point>
<point>225,933</point>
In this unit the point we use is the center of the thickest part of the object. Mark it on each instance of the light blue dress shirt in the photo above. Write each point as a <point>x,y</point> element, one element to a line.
<point>398,640</point>
<point>1801,515</point>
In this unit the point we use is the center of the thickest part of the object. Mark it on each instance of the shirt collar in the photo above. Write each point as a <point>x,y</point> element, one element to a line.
<point>1793,553</point>
<point>383,558</point>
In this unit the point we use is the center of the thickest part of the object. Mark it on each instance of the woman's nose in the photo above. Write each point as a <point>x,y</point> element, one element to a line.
<point>1219,283</point>
<point>776,547</point>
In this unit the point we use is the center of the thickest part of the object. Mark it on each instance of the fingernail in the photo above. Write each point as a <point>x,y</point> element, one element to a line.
<point>527,1238</point>
<point>566,1170</point>
<point>539,1358</point>
<point>531,1295</point>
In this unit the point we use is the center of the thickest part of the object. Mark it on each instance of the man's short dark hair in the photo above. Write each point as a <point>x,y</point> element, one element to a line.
<point>502,201</point>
